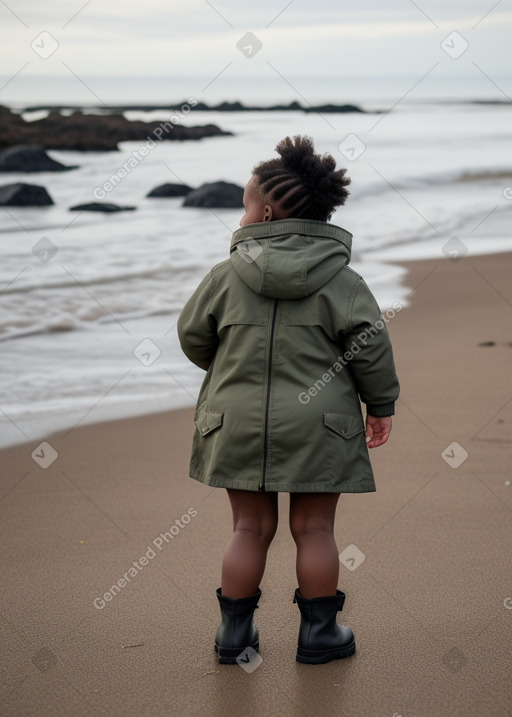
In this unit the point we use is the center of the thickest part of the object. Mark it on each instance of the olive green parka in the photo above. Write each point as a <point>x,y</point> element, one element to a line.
<point>292,341</point>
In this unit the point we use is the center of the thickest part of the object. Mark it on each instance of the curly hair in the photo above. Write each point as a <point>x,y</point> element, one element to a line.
<point>304,184</point>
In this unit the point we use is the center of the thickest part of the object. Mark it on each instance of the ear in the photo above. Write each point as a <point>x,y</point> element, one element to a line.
<point>267,217</point>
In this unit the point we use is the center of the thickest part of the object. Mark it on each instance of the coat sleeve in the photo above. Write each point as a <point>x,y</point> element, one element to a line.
<point>369,355</point>
<point>197,328</point>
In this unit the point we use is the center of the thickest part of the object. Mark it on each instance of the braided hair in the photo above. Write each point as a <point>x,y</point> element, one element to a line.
<point>303,184</point>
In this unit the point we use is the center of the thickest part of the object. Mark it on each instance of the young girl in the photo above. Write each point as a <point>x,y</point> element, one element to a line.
<point>292,341</point>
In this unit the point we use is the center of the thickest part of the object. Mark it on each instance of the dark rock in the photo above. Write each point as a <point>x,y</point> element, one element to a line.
<point>230,107</point>
<point>220,195</point>
<point>99,207</point>
<point>240,107</point>
<point>203,107</point>
<point>29,158</point>
<point>333,108</point>
<point>170,190</point>
<point>24,195</point>
<point>93,132</point>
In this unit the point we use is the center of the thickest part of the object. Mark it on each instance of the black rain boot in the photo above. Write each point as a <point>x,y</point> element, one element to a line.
<point>237,630</point>
<point>321,639</point>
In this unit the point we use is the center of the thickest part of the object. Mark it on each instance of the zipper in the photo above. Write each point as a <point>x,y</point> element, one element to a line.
<point>261,488</point>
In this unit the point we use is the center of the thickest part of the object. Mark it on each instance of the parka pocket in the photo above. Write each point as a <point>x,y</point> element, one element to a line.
<point>344,424</point>
<point>207,421</point>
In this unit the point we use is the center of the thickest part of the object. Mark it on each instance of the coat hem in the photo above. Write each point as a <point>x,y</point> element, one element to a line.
<point>367,486</point>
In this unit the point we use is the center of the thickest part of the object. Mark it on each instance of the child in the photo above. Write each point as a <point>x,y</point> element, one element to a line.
<point>291,340</point>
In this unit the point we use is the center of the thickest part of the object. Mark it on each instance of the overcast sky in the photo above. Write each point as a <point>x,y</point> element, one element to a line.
<point>199,37</point>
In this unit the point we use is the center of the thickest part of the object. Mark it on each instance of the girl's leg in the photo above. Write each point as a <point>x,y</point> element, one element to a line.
<point>312,526</point>
<point>255,518</point>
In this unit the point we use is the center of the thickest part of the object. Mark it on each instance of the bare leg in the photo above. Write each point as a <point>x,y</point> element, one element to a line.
<point>312,518</point>
<point>255,517</point>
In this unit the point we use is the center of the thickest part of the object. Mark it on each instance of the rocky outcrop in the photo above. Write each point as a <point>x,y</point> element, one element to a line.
<point>93,132</point>
<point>29,158</point>
<point>170,190</point>
<point>324,109</point>
<point>219,195</point>
<point>223,107</point>
<point>24,195</point>
<point>99,207</point>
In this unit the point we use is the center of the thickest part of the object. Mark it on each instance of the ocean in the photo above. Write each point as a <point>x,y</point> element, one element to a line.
<point>88,329</point>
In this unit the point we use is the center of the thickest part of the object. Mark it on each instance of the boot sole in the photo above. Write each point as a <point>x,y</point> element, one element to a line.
<point>319,657</point>
<point>228,655</point>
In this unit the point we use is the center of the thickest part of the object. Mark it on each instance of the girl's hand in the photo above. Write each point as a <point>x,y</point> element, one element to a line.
<point>377,430</point>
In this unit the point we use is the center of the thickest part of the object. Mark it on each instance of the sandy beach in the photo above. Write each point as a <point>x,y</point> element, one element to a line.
<point>430,601</point>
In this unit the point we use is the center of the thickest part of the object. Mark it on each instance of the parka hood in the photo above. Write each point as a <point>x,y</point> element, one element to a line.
<point>289,258</point>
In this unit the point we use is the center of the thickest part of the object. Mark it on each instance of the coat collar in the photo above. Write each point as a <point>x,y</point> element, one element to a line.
<point>308,227</point>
